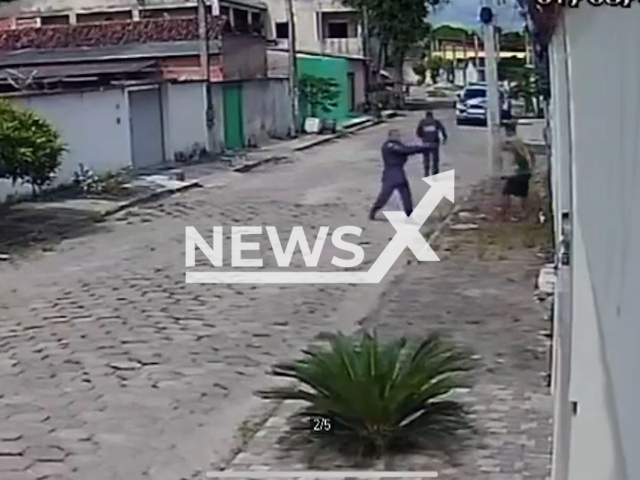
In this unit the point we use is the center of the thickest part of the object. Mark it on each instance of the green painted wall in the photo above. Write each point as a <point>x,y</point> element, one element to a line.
<point>336,68</point>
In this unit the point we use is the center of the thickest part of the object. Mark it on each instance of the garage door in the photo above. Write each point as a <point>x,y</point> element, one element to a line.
<point>145,117</point>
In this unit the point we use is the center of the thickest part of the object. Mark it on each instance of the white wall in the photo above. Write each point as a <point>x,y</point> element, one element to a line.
<point>95,126</point>
<point>605,336</point>
<point>560,138</point>
<point>184,117</point>
<point>267,113</point>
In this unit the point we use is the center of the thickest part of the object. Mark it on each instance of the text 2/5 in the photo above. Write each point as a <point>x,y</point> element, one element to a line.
<point>321,424</point>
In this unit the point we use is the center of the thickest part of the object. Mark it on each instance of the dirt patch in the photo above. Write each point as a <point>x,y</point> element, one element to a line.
<point>23,230</point>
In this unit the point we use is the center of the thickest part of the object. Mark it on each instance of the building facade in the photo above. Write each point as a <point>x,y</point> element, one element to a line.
<point>594,160</point>
<point>322,27</point>
<point>142,85</point>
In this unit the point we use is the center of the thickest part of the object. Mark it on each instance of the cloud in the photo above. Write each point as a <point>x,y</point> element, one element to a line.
<point>465,13</point>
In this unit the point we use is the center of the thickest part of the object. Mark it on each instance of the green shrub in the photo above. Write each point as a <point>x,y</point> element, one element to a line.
<point>420,69</point>
<point>30,147</point>
<point>380,396</point>
<point>318,94</point>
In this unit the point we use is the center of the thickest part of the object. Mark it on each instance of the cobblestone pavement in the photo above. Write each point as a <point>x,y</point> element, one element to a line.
<point>111,367</point>
<point>481,294</point>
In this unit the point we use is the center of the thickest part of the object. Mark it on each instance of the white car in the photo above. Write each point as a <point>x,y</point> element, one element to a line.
<point>471,107</point>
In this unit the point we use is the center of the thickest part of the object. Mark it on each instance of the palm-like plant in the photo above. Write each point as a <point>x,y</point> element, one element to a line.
<point>381,396</point>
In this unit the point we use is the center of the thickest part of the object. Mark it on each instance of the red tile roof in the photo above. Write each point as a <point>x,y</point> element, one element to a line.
<point>106,33</point>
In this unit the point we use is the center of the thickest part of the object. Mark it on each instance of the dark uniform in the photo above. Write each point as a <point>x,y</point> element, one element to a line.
<point>429,130</point>
<point>394,155</point>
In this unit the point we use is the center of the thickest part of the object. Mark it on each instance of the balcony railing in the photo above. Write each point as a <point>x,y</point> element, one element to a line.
<point>342,46</point>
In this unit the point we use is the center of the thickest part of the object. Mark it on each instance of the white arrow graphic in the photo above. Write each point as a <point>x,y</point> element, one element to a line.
<point>407,236</point>
<point>408,232</point>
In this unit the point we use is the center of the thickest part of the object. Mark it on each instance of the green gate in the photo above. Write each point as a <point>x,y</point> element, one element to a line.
<point>233,117</point>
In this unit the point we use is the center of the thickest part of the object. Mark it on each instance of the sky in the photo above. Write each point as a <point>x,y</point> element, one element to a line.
<point>465,13</point>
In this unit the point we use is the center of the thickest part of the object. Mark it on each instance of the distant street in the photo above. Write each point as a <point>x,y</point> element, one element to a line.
<point>112,368</point>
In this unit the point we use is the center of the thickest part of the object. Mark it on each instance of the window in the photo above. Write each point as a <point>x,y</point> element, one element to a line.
<point>27,22</point>
<point>226,13</point>
<point>241,20</point>
<point>55,20</point>
<point>337,30</point>
<point>471,93</point>
<point>282,30</point>
<point>257,25</point>
<point>168,13</point>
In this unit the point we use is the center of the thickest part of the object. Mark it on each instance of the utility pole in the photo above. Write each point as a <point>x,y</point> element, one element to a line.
<point>487,17</point>
<point>293,69</point>
<point>366,53</point>
<point>205,64</point>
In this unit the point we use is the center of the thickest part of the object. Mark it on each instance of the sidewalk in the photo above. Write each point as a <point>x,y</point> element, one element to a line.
<point>481,293</point>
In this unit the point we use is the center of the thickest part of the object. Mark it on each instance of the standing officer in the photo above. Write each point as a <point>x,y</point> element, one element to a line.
<point>429,130</point>
<point>395,155</point>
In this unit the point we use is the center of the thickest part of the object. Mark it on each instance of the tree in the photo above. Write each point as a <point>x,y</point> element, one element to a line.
<point>512,41</point>
<point>435,64</point>
<point>420,69</point>
<point>448,32</point>
<point>510,69</point>
<point>30,147</point>
<point>318,94</point>
<point>399,25</point>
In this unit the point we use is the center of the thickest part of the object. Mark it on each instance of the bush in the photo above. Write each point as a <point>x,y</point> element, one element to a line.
<point>420,69</point>
<point>380,396</point>
<point>30,147</point>
<point>318,94</point>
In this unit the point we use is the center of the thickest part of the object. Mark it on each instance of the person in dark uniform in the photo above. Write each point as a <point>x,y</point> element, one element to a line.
<point>516,184</point>
<point>395,155</point>
<point>430,130</point>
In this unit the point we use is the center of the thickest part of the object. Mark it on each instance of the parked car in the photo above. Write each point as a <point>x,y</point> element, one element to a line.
<point>471,107</point>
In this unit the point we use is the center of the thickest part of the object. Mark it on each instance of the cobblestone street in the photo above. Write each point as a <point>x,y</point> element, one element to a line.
<point>111,367</point>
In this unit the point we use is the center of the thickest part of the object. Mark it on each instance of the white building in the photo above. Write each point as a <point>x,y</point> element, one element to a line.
<point>322,26</point>
<point>595,120</point>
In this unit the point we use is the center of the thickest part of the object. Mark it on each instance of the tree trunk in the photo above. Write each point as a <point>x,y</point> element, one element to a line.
<point>398,84</point>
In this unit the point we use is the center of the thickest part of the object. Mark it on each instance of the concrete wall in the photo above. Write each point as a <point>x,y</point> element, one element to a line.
<point>560,161</point>
<point>266,110</point>
<point>95,126</point>
<point>244,57</point>
<point>602,156</point>
<point>358,68</point>
<point>184,118</point>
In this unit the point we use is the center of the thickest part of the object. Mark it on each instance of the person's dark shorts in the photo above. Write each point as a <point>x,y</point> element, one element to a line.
<point>517,186</point>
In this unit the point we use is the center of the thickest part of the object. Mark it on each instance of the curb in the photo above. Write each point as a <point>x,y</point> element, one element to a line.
<point>247,167</point>
<point>339,135</point>
<point>153,196</point>
<point>440,104</point>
